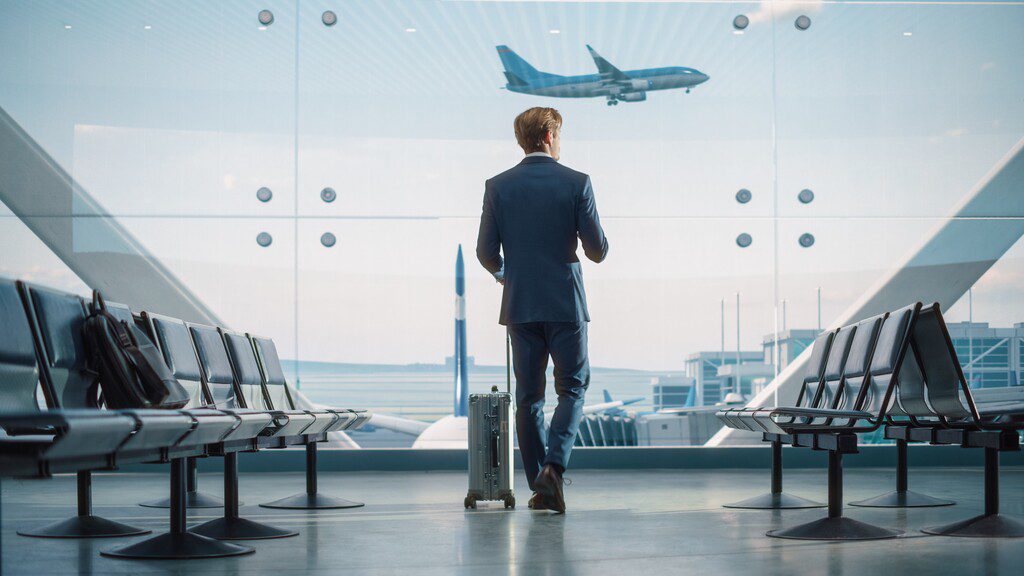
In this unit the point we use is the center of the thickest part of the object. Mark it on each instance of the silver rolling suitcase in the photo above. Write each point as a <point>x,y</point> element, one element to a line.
<point>490,444</point>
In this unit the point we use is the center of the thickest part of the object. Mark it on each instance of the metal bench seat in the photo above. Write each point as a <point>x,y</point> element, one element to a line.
<point>940,409</point>
<point>810,394</point>
<point>845,373</point>
<point>863,396</point>
<point>203,371</point>
<point>263,352</point>
<point>61,440</point>
<point>245,391</point>
<point>43,334</point>
<point>172,339</point>
<point>159,432</point>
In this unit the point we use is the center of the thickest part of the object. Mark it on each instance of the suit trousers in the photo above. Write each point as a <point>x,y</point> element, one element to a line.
<point>532,344</point>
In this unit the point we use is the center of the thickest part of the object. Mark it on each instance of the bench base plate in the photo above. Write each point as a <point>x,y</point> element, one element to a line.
<point>307,501</point>
<point>84,527</point>
<point>774,501</point>
<point>902,499</point>
<point>841,528</point>
<point>178,546</point>
<point>990,526</point>
<point>240,529</point>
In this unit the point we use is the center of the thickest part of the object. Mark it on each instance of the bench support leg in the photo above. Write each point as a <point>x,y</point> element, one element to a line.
<point>902,497</point>
<point>231,526</point>
<point>835,526</point>
<point>776,499</point>
<point>311,499</point>
<point>193,497</point>
<point>178,543</point>
<point>991,524</point>
<point>85,524</point>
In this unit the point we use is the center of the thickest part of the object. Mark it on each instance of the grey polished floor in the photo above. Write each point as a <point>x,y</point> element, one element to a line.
<point>652,522</point>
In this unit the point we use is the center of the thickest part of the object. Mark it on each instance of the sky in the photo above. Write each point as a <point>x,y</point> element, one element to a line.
<point>889,112</point>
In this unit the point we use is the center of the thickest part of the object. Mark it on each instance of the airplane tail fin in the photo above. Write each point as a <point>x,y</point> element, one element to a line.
<point>519,72</point>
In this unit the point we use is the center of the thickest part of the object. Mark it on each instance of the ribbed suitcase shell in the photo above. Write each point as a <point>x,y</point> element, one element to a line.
<point>490,449</point>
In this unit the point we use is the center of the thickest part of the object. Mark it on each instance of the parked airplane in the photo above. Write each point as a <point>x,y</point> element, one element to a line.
<point>610,82</point>
<point>452,431</point>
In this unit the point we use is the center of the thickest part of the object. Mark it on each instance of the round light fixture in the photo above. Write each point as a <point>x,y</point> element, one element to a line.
<point>264,239</point>
<point>264,194</point>
<point>807,240</point>
<point>802,22</point>
<point>329,18</point>
<point>744,240</point>
<point>328,239</point>
<point>740,22</point>
<point>806,196</point>
<point>743,196</point>
<point>328,195</point>
<point>266,17</point>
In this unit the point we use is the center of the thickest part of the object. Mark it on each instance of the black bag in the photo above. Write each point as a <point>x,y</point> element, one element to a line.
<point>132,371</point>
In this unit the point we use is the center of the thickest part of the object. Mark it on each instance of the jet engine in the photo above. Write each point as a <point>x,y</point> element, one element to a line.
<point>633,97</point>
<point>639,85</point>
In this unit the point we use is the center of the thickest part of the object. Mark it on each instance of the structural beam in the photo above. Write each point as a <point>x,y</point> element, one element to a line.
<point>54,207</point>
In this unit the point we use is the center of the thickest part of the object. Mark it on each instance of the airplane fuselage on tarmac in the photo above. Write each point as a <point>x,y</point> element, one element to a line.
<point>609,82</point>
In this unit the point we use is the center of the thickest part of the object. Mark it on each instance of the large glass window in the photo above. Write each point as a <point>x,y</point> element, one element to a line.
<point>310,171</point>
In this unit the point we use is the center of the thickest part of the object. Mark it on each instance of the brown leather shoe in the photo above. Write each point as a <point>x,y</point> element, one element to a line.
<point>535,503</point>
<point>549,489</point>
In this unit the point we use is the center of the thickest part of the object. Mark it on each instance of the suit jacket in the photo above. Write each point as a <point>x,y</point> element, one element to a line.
<point>537,213</point>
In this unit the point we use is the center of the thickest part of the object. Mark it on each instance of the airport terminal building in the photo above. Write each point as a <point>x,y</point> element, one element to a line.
<point>253,258</point>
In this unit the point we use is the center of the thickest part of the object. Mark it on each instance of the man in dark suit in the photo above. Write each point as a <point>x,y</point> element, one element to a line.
<point>534,213</point>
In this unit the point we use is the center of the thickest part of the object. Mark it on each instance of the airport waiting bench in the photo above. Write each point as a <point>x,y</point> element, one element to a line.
<point>899,372</point>
<point>43,348</point>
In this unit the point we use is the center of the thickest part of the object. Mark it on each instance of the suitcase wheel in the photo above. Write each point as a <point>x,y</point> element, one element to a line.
<point>510,502</point>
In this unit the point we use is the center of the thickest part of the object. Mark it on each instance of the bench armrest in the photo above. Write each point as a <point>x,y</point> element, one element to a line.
<point>822,413</point>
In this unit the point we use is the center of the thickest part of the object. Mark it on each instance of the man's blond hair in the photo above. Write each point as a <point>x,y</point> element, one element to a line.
<point>533,125</point>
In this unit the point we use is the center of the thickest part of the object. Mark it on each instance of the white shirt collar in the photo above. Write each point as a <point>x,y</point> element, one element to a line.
<point>531,154</point>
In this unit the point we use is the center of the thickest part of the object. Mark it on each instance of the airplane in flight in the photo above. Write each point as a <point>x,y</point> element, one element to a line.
<point>614,84</point>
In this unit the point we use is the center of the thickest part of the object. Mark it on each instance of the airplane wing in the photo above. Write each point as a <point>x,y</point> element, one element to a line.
<point>398,424</point>
<point>609,73</point>
<point>417,427</point>
<point>597,408</point>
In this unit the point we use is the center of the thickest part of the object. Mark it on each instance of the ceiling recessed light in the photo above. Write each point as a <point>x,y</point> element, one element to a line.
<point>262,27</point>
<point>410,29</point>
<point>67,26</point>
<point>908,33</point>
<point>738,32</point>
<point>555,31</point>
<point>148,27</point>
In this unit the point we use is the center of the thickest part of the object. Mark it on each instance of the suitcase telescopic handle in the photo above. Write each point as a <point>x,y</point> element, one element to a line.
<point>508,361</point>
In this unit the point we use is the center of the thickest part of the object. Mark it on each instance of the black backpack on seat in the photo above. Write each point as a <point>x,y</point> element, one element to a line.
<point>132,371</point>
